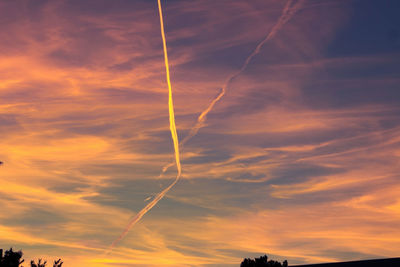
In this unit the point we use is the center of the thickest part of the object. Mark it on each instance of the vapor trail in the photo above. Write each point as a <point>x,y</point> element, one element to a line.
<point>285,16</point>
<point>287,13</point>
<point>174,136</point>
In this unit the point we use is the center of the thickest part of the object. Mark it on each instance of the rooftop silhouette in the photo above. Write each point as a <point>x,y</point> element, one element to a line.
<point>263,261</point>
<point>390,262</point>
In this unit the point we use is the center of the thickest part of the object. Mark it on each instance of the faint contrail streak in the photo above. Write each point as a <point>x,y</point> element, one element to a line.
<point>174,135</point>
<point>287,13</point>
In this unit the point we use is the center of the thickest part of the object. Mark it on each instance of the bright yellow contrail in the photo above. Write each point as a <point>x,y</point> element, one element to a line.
<point>172,126</point>
<point>287,13</point>
<point>174,135</point>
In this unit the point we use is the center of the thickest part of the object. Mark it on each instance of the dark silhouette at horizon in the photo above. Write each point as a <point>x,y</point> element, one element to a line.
<point>262,262</point>
<point>13,259</point>
<point>388,262</point>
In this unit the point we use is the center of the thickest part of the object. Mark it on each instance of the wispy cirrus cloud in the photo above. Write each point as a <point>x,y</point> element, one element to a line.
<point>309,132</point>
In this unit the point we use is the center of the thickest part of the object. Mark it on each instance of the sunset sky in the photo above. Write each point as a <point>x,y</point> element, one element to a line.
<point>299,160</point>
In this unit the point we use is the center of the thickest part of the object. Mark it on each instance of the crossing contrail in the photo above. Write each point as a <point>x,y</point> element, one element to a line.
<point>288,11</point>
<point>174,136</point>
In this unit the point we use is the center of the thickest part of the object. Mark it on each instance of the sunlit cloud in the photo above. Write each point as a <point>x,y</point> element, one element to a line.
<point>307,133</point>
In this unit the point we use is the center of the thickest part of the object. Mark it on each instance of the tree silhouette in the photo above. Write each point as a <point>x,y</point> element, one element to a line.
<point>39,264</point>
<point>262,262</point>
<point>11,258</point>
<point>58,263</point>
